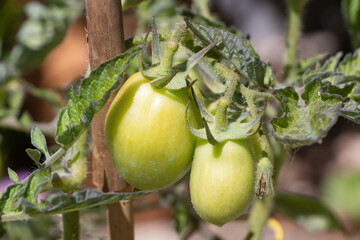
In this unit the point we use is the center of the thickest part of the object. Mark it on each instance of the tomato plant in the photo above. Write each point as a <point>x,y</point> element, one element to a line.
<point>203,99</point>
<point>147,135</point>
<point>222,180</point>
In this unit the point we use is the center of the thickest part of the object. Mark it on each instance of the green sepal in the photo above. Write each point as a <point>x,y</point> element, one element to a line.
<point>199,101</point>
<point>205,72</point>
<point>183,69</point>
<point>234,130</point>
<point>161,82</point>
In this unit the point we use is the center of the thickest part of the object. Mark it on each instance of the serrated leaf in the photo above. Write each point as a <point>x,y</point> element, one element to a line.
<point>233,48</point>
<point>13,175</point>
<point>61,202</point>
<point>38,140</point>
<point>35,155</point>
<point>351,13</point>
<point>201,19</point>
<point>306,64</point>
<point>351,111</point>
<point>47,95</point>
<point>34,184</point>
<point>307,211</point>
<point>350,67</point>
<point>178,81</point>
<point>93,93</point>
<point>306,119</point>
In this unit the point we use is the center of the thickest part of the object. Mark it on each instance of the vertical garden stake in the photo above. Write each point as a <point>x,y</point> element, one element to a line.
<point>106,40</point>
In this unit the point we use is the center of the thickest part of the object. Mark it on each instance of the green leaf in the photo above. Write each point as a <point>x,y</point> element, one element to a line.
<point>9,197</point>
<point>35,155</point>
<point>201,19</point>
<point>93,93</point>
<point>28,189</point>
<point>13,175</point>
<point>306,64</point>
<point>47,95</point>
<point>233,48</point>
<point>351,13</point>
<point>61,202</point>
<point>38,140</point>
<point>351,111</point>
<point>309,212</point>
<point>34,184</point>
<point>350,67</point>
<point>306,119</point>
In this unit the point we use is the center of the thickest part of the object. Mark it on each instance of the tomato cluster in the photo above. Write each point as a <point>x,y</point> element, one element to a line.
<point>152,148</point>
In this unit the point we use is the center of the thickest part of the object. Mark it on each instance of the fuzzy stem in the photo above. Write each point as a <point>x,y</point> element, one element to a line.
<point>258,217</point>
<point>171,47</point>
<point>232,80</point>
<point>71,226</point>
<point>54,157</point>
<point>292,42</point>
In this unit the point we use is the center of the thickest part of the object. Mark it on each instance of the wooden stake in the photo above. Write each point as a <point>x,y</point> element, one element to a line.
<point>105,40</point>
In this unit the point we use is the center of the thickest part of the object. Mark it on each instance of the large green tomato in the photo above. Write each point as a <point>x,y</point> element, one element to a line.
<point>147,136</point>
<point>222,180</point>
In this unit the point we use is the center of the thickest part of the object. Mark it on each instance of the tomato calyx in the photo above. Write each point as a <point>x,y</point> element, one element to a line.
<point>162,73</point>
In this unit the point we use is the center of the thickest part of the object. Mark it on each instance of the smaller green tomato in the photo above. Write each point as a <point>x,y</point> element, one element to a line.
<point>222,180</point>
<point>146,134</point>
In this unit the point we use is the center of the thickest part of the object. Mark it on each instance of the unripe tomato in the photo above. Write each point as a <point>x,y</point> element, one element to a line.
<point>147,136</point>
<point>222,180</point>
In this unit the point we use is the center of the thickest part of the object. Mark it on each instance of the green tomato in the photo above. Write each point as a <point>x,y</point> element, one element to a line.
<point>222,180</point>
<point>147,136</point>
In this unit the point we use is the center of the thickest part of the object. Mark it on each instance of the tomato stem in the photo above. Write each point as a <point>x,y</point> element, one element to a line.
<point>232,80</point>
<point>172,46</point>
<point>71,226</point>
<point>292,42</point>
<point>259,214</point>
